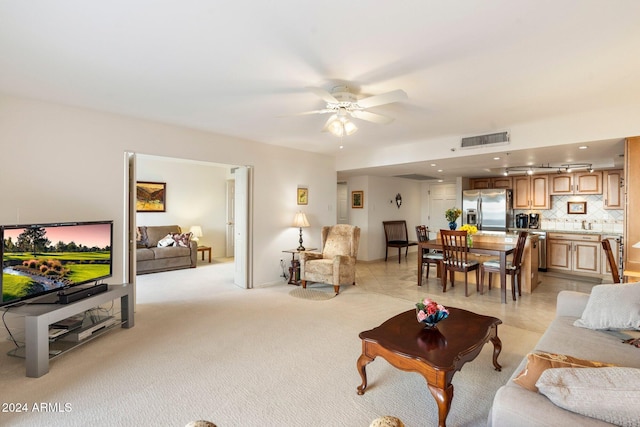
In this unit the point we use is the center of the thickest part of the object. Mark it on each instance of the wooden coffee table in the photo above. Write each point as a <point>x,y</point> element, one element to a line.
<point>435,354</point>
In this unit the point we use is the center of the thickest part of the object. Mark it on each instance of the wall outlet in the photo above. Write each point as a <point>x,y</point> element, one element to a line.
<point>508,240</point>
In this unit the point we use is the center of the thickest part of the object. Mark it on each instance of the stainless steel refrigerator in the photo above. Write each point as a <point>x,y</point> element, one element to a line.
<point>489,210</point>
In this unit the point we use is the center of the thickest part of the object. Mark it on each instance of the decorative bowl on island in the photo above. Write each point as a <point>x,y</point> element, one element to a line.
<point>429,313</point>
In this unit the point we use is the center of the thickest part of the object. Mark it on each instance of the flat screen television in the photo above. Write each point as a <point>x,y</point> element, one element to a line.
<point>39,259</point>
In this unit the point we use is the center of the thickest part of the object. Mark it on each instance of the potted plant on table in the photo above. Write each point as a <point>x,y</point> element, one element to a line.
<point>452,215</point>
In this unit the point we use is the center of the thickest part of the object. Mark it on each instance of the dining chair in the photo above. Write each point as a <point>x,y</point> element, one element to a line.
<point>396,236</point>
<point>611,259</point>
<point>513,267</point>
<point>428,258</point>
<point>455,258</point>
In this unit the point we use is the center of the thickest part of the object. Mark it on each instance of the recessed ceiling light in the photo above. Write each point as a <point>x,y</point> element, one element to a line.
<point>433,164</point>
<point>440,180</point>
<point>496,158</point>
<point>341,147</point>
<point>439,170</point>
<point>583,147</point>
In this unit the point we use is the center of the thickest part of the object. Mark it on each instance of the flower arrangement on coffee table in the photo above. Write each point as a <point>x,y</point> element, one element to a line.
<point>430,312</point>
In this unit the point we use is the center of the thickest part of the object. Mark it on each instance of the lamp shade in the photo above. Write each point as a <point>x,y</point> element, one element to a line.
<point>300,220</point>
<point>196,232</point>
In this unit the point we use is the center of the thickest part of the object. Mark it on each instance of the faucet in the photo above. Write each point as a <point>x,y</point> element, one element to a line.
<point>584,224</point>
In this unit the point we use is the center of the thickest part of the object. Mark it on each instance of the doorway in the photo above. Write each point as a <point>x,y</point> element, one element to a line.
<point>197,193</point>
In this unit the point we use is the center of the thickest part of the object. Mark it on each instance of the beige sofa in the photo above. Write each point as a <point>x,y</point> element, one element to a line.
<point>150,258</point>
<point>515,405</point>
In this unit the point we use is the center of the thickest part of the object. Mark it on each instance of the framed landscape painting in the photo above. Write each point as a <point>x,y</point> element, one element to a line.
<point>150,196</point>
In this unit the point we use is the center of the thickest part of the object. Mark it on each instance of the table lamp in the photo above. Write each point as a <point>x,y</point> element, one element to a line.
<point>300,220</point>
<point>196,232</point>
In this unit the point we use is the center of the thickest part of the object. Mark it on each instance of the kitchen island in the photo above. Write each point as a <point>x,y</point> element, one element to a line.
<point>529,269</point>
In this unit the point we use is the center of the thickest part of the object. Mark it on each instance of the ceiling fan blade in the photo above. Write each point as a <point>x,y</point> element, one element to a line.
<point>384,98</point>
<point>323,111</point>
<point>371,117</point>
<point>323,94</point>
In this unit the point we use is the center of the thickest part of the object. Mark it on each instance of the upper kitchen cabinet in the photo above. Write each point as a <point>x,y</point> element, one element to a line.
<point>531,192</point>
<point>575,183</point>
<point>612,189</point>
<point>488,183</point>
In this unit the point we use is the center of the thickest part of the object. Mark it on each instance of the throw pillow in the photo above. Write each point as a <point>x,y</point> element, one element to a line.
<point>612,307</point>
<point>607,394</point>
<point>166,241</point>
<point>181,239</point>
<point>142,240</point>
<point>537,363</point>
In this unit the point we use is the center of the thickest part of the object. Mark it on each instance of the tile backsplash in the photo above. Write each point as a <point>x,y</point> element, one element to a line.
<point>597,218</point>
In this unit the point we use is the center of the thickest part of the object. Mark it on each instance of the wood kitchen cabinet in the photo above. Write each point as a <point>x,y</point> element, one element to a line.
<point>612,189</point>
<point>578,253</point>
<point>575,183</point>
<point>488,183</point>
<point>531,192</point>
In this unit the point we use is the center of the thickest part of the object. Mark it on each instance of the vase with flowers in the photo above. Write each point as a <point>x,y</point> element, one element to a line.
<point>452,215</point>
<point>471,230</point>
<point>430,313</point>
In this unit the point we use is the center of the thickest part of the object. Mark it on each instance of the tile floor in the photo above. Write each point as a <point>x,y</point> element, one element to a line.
<point>530,312</point>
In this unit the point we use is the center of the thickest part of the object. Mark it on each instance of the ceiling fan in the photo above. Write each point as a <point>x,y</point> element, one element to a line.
<point>342,104</point>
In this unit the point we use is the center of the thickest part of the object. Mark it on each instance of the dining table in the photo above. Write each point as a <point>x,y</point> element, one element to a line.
<point>481,248</point>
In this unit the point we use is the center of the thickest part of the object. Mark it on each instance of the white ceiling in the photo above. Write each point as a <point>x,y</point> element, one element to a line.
<point>240,67</point>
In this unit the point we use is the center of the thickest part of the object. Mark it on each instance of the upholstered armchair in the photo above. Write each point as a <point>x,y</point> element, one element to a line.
<point>337,262</point>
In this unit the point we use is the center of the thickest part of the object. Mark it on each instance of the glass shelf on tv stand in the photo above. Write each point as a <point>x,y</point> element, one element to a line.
<point>58,345</point>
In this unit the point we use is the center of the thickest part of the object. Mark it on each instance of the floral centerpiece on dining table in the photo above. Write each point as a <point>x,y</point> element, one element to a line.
<point>430,312</point>
<point>471,230</point>
<point>452,215</point>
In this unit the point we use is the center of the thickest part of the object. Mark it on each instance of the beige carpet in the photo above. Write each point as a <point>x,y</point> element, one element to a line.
<point>205,349</point>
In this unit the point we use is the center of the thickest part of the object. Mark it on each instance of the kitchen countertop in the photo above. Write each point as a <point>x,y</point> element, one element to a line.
<point>575,231</point>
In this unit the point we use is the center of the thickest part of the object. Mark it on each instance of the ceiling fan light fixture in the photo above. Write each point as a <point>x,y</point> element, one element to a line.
<point>350,128</point>
<point>341,126</point>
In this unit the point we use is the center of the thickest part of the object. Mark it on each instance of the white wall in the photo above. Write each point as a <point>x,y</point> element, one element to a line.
<point>62,163</point>
<point>380,205</point>
<point>196,195</point>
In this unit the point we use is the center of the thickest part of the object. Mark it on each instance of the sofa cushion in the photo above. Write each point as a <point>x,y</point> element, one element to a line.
<point>607,394</point>
<point>537,363</point>
<point>182,239</point>
<point>144,254</point>
<point>612,307</point>
<point>157,232</point>
<point>166,241</point>
<point>170,252</point>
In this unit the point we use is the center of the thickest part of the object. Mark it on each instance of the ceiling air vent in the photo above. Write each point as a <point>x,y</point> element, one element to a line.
<point>500,138</point>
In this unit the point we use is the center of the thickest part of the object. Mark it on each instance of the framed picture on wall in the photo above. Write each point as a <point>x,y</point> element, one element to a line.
<point>151,196</point>
<point>303,196</point>
<point>357,199</point>
<point>576,207</point>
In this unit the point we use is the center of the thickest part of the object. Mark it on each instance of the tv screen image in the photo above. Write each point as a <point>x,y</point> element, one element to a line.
<point>39,259</point>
